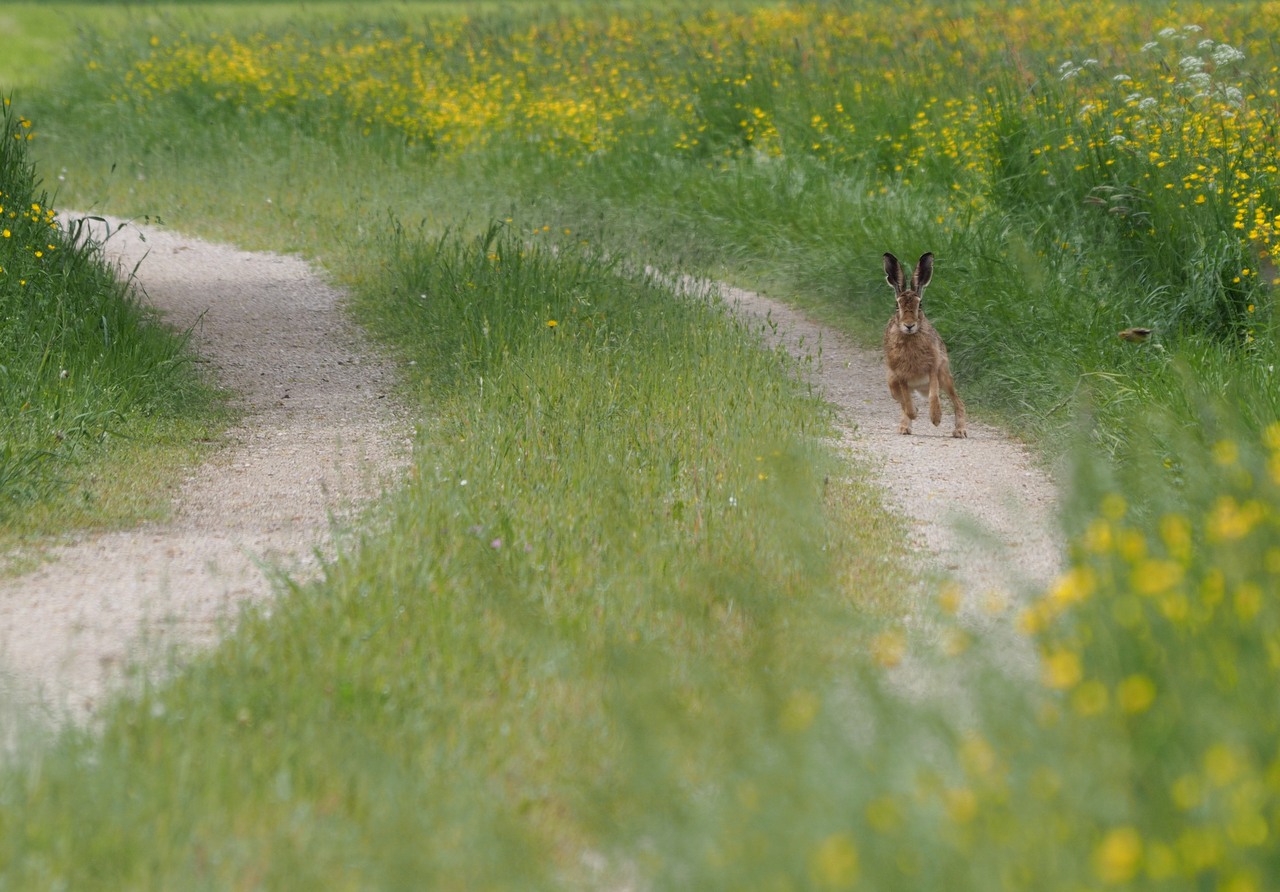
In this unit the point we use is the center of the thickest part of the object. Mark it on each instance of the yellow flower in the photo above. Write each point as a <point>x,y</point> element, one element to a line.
<point>1136,694</point>
<point>1272,435</point>
<point>949,599</point>
<point>1098,539</point>
<point>1153,576</point>
<point>1248,600</point>
<point>1175,530</point>
<point>1072,587</point>
<point>1229,520</point>
<point>1114,506</point>
<point>961,804</point>
<point>1061,670</point>
<point>551,323</point>
<point>1226,452</point>
<point>799,712</point>
<point>888,648</point>
<point>1117,857</point>
<point>1222,764</point>
<point>834,862</point>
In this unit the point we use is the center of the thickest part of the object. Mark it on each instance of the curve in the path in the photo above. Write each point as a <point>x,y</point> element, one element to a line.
<point>981,508</point>
<point>320,434</point>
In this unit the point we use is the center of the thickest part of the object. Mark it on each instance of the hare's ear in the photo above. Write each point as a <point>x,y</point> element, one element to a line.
<point>893,273</point>
<point>923,273</point>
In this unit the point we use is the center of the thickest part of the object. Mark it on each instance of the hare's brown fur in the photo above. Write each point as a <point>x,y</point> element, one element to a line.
<point>914,355</point>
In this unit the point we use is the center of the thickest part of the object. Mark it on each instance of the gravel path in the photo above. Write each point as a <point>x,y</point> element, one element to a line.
<point>980,508</point>
<point>320,434</point>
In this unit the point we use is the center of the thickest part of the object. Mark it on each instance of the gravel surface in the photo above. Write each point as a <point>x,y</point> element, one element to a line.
<point>320,434</point>
<point>980,509</point>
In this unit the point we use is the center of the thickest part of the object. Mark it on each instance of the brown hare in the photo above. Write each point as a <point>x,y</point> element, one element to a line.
<point>914,354</point>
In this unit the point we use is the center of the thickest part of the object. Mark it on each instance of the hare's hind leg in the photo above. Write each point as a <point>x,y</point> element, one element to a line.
<point>935,404</point>
<point>902,393</point>
<point>957,404</point>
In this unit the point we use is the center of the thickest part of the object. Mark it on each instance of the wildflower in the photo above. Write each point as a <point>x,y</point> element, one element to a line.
<point>551,323</point>
<point>1248,601</point>
<point>1061,670</point>
<point>961,804</point>
<point>888,648</point>
<point>1229,520</point>
<point>799,712</point>
<point>949,598</point>
<point>834,862</point>
<point>1114,506</point>
<point>1135,694</point>
<point>1222,764</point>
<point>1117,857</point>
<point>1098,538</point>
<point>1272,435</point>
<point>1226,453</point>
<point>1175,530</point>
<point>1074,586</point>
<point>1226,54</point>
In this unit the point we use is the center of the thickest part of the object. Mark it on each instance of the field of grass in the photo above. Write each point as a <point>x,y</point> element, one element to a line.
<point>616,631</point>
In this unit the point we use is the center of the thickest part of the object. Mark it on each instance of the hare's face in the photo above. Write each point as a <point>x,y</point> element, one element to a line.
<point>908,292</point>
<point>908,315</point>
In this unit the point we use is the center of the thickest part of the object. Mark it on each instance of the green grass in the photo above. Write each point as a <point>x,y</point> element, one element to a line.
<point>90,383</point>
<point>618,628</point>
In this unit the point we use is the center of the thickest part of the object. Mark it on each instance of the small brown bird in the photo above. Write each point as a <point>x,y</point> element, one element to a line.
<point>1136,335</point>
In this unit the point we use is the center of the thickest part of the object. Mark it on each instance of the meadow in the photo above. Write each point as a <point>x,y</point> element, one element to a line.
<point>616,631</point>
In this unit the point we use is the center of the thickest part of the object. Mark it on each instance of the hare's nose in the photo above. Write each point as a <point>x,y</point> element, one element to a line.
<point>909,327</point>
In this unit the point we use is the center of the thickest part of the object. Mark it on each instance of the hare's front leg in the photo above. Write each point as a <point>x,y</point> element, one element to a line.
<point>901,391</point>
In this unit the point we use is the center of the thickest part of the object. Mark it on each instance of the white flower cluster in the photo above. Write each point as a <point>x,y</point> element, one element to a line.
<point>1201,71</point>
<point>1069,70</point>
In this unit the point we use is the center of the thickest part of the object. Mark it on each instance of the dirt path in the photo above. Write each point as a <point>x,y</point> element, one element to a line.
<point>980,508</point>
<point>319,435</point>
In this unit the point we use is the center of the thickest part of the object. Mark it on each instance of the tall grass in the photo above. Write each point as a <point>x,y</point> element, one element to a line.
<point>82,362</point>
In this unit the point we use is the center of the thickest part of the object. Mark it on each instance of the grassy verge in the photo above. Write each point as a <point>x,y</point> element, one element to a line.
<point>89,383</point>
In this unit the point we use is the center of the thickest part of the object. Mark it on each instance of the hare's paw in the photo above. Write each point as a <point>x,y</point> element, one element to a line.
<point>960,433</point>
